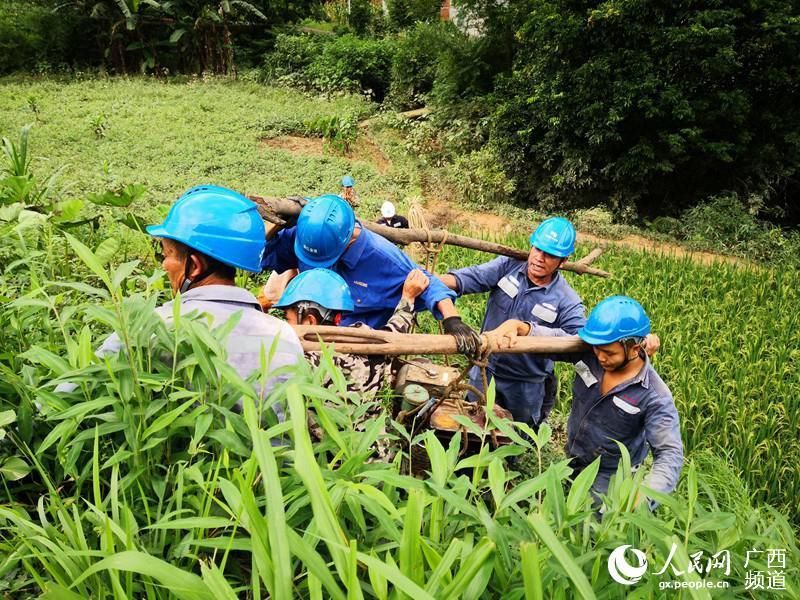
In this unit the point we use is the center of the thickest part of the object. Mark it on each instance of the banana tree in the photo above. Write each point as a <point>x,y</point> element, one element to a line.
<point>120,24</point>
<point>202,34</point>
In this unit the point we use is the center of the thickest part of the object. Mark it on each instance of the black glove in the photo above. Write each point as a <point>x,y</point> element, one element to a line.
<point>467,341</point>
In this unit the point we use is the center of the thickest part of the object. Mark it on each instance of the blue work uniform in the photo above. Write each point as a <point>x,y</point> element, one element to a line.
<point>550,309</point>
<point>375,271</point>
<point>640,413</point>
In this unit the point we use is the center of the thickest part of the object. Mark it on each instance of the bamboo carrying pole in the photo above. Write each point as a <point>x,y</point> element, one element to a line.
<point>278,210</point>
<point>357,340</point>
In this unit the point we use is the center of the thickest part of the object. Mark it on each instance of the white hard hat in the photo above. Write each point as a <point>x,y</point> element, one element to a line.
<point>387,210</point>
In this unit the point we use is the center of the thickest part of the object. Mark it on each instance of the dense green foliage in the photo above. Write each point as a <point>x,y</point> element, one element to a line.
<point>406,13</point>
<point>134,35</point>
<point>724,224</point>
<point>33,36</point>
<point>146,481</point>
<point>656,105</point>
<point>439,64</point>
<point>331,64</point>
<point>647,109</point>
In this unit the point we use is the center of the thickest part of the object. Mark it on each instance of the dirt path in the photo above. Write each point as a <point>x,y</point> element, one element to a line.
<point>638,242</point>
<point>441,213</point>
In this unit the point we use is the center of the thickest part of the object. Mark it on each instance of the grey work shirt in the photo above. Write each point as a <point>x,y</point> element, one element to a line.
<point>254,331</point>
<point>550,308</point>
<point>640,413</point>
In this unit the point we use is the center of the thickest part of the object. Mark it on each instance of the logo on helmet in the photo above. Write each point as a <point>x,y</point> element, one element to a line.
<point>310,250</point>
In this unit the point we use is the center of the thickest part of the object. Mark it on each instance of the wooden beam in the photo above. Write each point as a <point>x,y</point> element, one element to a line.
<point>361,340</point>
<point>280,210</point>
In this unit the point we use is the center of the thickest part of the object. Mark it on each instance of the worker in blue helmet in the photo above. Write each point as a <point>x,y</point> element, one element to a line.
<point>529,290</point>
<point>328,235</point>
<point>349,190</point>
<point>616,395</point>
<point>322,297</point>
<point>208,234</point>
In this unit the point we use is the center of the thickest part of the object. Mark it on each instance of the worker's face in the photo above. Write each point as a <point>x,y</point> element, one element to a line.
<point>174,263</point>
<point>347,193</point>
<point>613,356</point>
<point>542,266</point>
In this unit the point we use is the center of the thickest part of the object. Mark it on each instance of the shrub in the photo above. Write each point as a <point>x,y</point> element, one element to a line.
<point>479,178</point>
<point>361,15</point>
<point>351,63</point>
<point>597,220</point>
<point>290,57</point>
<point>723,223</point>
<point>331,64</point>
<point>339,133</point>
<point>34,36</point>
<point>417,59</point>
<point>438,63</point>
<point>658,105</point>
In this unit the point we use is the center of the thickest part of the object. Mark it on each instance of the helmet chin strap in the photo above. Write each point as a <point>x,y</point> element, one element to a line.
<point>627,358</point>
<point>188,282</point>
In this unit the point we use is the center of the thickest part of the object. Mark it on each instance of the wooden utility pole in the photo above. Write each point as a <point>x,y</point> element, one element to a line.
<point>280,210</point>
<point>361,340</point>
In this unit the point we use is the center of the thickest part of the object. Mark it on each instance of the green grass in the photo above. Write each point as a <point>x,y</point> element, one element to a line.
<point>170,136</point>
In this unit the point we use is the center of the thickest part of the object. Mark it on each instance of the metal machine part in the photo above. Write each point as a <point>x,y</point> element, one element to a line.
<point>420,372</point>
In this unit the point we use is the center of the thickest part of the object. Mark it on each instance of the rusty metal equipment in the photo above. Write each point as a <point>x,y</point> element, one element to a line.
<point>430,396</point>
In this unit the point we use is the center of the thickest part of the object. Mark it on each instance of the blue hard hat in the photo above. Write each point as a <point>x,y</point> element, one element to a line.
<point>613,319</point>
<point>555,236</point>
<point>348,181</point>
<point>322,286</point>
<point>218,222</point>
<point>324,228</point>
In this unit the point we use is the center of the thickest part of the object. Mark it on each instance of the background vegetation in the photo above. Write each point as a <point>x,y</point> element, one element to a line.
<point>144,481</point>
<point>648,110</point>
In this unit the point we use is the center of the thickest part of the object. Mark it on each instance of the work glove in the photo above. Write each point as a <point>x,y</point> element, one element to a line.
<point>468,341</point>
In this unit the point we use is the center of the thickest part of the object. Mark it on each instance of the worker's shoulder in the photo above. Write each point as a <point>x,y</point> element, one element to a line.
<point>380,246</point>
<point>657,389</point>
<point>273,326</point>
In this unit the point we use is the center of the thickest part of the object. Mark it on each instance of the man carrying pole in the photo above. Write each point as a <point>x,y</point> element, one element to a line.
<point>529,290</point>
<point>616,395</point>
<point>328,235</point>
